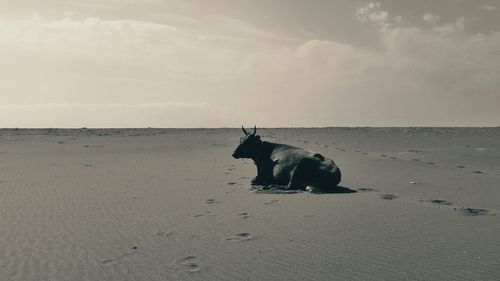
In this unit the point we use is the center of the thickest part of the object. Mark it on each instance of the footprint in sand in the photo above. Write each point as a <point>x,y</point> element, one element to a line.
<point>388,196</point>
<point>383,155</point>
<point>231,183</point>
<point>460,166</point>
<point>415,159</point>
<point>430,163</point>
<point>212,201</point>
<point>272,202</point>
<point>366,189</point>
<point>439,202</point>
<point>364,153</point>
<point>243,215</point>
<point>243,236</point>
<point>472,212</point>
<point>393,157</point>
<point>478,172</point>
<point>189,264</point>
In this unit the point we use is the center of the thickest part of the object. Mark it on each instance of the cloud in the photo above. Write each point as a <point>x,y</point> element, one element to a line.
<point>430,18</point>
<point>487,7</point>
<point>111,73</point>
<point>178,52</point>
<point>371,12</point>
<point>452,27</point>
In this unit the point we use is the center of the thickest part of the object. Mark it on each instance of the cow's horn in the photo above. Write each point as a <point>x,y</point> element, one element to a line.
<point>244,131</point>
<point>254,129</point>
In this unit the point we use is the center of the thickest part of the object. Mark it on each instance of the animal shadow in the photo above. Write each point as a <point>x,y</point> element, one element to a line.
<point>336,190</point>
<point>276,189</point>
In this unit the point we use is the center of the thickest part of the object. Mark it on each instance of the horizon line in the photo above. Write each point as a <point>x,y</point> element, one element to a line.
<point>208,128</point>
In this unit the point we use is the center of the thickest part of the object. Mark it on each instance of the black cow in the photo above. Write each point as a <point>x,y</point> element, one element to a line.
<point>287,166</point>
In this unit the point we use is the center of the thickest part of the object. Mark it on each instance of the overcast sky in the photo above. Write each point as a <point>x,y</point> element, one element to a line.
<point>217,63</point>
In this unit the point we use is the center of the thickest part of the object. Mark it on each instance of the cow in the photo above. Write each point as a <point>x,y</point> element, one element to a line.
<point>287,166</point>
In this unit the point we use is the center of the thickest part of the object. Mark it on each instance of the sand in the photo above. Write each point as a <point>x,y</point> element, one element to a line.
<point>174,205</point>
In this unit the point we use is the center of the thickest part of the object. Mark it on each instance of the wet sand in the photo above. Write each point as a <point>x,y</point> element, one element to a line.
<point>171,204</point>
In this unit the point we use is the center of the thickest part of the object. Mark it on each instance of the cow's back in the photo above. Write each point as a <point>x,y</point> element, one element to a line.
<point>318,169</point>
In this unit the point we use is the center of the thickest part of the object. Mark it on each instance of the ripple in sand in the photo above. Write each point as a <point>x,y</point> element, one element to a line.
<point>243,236</point>
<point>165,233</point>
<point>117,259</point>
<point>202,214</point>
<point>218,144</point>
<point>189,264</point>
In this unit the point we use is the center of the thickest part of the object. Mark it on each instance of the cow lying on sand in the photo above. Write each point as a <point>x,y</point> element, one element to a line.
<point>287,166</point>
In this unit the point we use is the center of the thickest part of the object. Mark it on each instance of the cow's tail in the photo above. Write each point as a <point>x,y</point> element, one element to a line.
<point>319,156</point>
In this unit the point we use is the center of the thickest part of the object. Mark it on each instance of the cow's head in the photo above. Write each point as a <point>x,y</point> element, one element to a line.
<point>249,145</point>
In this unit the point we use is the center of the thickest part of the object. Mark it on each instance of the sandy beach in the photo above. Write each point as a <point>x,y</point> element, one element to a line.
<point>172,204</point>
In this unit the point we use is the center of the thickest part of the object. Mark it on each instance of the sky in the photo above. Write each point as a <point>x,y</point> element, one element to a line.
<point>224,63</point>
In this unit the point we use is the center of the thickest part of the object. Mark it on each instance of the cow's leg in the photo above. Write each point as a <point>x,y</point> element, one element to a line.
<point>257,181</point>
<point>297,177</point>
<point>264,175</point>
